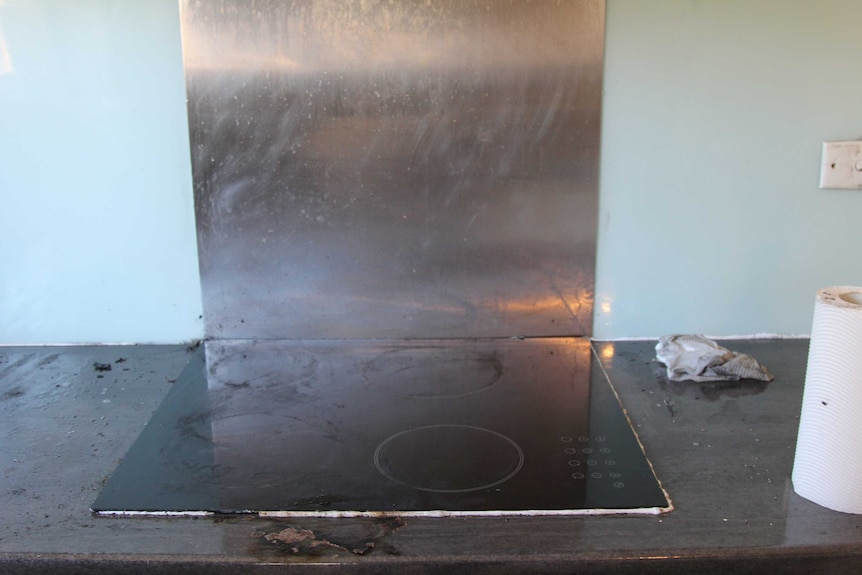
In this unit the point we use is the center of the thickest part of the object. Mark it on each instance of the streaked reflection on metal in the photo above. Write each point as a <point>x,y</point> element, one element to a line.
<point>407,169</point>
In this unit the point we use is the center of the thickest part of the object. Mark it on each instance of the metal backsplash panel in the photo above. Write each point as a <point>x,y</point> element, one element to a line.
<point>395,169</point>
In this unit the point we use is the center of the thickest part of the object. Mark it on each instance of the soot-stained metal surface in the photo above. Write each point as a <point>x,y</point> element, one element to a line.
<point>391,170</point>
<point>394,427</point>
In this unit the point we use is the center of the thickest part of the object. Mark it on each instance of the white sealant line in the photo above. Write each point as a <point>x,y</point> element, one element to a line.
<point>432,513</point>
<point>715,337</point>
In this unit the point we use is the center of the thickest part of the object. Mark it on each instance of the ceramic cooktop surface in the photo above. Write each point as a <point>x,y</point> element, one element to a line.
<point>423,427</point>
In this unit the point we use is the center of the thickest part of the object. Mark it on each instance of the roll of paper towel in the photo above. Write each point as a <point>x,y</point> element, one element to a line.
<point>828,465</point>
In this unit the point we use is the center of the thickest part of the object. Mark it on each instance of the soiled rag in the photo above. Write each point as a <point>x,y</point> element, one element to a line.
<point>696,358</point>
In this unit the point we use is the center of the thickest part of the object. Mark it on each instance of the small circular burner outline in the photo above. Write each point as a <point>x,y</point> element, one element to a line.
<point>446,425</point>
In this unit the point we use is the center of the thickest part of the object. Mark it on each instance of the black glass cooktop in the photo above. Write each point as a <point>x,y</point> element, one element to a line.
<point>351,427</point>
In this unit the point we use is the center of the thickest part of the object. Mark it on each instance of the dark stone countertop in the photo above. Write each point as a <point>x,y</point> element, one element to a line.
<point>723,451</point>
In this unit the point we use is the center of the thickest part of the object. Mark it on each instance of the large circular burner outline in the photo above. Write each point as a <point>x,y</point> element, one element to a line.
<point>391,438</point>
<point>471,355</point>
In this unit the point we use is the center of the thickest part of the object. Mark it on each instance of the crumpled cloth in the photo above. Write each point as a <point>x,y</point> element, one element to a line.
<point>696,358</point>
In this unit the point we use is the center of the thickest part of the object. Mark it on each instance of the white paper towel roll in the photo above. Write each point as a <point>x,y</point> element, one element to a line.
<point>828,465</point>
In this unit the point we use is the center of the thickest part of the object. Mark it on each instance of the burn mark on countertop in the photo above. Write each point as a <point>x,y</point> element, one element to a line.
<point>317,537</point>
<point>16,391</point>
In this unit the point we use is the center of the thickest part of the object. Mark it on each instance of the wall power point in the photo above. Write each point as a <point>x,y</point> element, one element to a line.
<point>841,165</point>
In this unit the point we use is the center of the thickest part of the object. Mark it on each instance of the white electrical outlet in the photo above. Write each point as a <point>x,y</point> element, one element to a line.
<point>841,165</point>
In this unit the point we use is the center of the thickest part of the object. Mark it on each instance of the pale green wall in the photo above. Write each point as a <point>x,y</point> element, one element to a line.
<point>97,240</point>
<point>714,112</point>
<point>711,220</point>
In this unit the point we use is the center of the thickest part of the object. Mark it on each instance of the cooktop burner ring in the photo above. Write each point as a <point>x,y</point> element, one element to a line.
<point>433,372</point>
<point>449,458</point>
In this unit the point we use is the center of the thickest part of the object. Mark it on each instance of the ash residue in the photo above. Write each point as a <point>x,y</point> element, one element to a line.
<point>358,537</point>
<point>16,391</point>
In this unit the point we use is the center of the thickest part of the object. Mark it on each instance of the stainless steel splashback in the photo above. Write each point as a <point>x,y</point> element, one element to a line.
<point>395,169</point>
